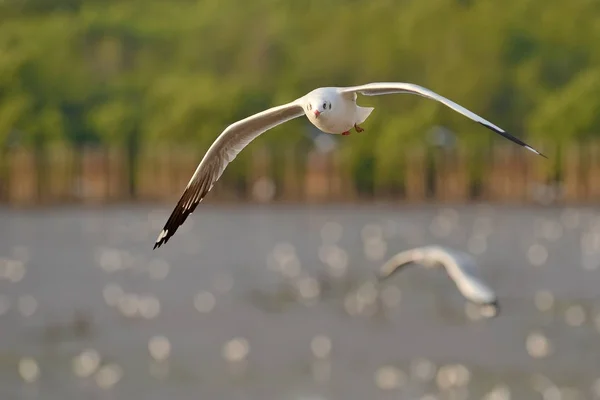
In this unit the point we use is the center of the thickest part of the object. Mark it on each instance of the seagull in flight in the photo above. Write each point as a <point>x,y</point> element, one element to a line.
<point>459,266</point>
<point>331,109</point>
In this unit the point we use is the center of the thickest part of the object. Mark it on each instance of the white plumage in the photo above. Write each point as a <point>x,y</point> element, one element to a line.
<point>331,109</point>
<point>461,268</point>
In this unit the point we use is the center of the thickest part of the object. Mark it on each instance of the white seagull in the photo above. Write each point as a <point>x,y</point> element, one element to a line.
<point>459,266</point>
<point>331,109</point>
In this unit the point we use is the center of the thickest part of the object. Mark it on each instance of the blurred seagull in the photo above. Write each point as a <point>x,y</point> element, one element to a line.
<point>461,268</point>
<point>331,109</point>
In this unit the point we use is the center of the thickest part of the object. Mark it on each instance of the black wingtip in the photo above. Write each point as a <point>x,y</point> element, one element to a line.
<point>159,243</point>
<point>513,139</point>
<point>162,238</point>
<point>534,151</point>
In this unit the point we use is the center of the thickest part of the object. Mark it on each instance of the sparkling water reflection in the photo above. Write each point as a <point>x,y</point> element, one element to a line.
<point>280,303</point>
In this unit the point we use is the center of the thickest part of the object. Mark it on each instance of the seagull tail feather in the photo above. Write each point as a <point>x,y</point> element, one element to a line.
<point>363,114</point>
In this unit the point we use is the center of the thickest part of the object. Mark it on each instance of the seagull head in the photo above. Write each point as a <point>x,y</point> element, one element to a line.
<point>318,107</point>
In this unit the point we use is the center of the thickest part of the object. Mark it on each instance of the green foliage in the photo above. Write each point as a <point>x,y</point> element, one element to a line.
<point>181,71</point>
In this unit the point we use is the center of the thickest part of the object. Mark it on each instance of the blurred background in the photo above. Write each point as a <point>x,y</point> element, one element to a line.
<point>266,292</point>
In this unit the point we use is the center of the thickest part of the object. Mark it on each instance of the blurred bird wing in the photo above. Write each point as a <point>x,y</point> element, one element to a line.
<point>398,262</point>
<point>463,271</point>
<point>460,267</point>
<point>381,88</point>
<point>223,151</point>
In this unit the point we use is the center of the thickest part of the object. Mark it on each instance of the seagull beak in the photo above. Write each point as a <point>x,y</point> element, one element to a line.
<point>317,113</point>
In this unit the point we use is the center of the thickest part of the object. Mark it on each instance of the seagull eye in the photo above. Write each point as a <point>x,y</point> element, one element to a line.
<point>330,106</point>
<point>309,107</point>
<point>324,106</point>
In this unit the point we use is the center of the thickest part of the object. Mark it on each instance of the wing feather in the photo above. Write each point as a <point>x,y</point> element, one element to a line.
<point>223,151</point>
<point>381,88</point>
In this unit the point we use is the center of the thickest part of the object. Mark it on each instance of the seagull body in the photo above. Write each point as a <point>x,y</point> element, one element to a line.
<point>331,109</point>
<point>461,268</point>
<point>339,119</point>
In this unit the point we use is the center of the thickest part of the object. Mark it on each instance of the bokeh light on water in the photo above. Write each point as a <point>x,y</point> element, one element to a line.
<point>29,369</point>
<point>294,310</point>
<point>86,363</point>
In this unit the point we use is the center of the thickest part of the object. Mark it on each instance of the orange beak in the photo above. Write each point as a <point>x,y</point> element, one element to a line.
<point>317,113</point>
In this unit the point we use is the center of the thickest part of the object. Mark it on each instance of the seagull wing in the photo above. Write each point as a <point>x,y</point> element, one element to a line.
<point>223,151</point>
<point>380,88</point>
<point>463,271</point>
<point>399,261</point>
<point>460,267</point>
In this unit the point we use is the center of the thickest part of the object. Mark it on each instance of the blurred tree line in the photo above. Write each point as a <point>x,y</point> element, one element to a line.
<point>126,72</point>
